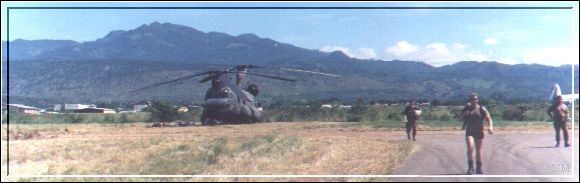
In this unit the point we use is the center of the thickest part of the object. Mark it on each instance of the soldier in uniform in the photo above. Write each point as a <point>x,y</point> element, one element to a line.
<point>473,116</point>
<point>412,117</point>
<point>559,113</point>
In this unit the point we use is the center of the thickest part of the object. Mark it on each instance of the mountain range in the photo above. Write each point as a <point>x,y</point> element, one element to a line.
<point>123,60</point>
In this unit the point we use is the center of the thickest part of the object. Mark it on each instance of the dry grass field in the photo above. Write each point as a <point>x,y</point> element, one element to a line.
<point>312,148</point>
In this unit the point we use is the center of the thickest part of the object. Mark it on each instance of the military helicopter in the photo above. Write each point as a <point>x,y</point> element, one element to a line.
<point>227,102</point>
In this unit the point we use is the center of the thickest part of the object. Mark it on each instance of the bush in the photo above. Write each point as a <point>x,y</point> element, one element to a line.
<point>18,118</point>
<point>374,113</point>
<point>361,112</point>
<point>395,116</point>
<point>123,118</point>
<point>162,111</point>
<point>357,111</point>
<point>445,117</point>
<point>354,118</point>
<point>516,113</point>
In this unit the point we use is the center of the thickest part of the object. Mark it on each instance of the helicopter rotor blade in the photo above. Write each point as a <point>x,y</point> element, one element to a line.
<point>212,75</point>
<point>311,72</point>
<point>244,67</point>
<point>206,79</point>
<point>271,77</point>
<point>170,81</point>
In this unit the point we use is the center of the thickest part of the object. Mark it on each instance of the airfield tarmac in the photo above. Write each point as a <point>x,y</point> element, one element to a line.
<point>505,153</point>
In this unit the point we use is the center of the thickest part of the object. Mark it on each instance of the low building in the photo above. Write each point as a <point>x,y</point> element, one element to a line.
<point>74,107</point>
<point>326,106</point>
<point>345,106</point>
<point>140,107</point>
<point>95,110</point>
<point>57,107</point>
<point>424,104</point>
<point>19,108</point>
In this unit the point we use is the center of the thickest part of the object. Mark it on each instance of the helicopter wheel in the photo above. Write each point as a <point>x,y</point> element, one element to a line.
<point>212,122</point>
<point>208,121</point>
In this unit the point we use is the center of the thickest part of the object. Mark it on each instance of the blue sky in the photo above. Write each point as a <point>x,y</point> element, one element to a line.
<point>435,36</point>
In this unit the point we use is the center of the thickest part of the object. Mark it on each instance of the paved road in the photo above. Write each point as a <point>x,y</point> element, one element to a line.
<point>507,153</point>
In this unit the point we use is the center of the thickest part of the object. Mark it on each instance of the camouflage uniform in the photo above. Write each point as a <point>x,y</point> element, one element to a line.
<point>412,118</point>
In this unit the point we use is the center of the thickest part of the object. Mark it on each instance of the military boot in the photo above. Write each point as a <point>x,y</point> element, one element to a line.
<point>478,169</point>
<point>470,169</point>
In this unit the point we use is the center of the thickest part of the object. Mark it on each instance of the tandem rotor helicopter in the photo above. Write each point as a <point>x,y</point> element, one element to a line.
<point>226,102</point>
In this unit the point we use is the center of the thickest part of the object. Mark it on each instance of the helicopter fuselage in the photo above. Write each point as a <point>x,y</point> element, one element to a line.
<point>227,104</point>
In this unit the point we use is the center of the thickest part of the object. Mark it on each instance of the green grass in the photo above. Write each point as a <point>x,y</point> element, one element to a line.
<point>189,159</point>
<point>18,118</point>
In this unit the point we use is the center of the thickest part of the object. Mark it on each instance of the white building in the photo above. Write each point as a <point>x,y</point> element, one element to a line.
<point>21,108</point>
<point>57,107</point>
<point>139,107</point>
<point>424,104</point>
<point>71,107</point>
<point>344,106</point>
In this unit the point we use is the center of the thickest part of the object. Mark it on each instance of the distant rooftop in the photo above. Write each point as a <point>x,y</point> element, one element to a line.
<point>22,106</point>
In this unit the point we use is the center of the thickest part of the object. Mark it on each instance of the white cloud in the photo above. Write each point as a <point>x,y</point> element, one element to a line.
<point>360,53</point>
<point>436,54</point>
<point>440,48</point>
<point>552,56</point>
<point>401,49</point>
<point>459,46</point>
<point>440,54</point>
<point>491,41</point>
<point>473,55</point>
<point>366,53</point>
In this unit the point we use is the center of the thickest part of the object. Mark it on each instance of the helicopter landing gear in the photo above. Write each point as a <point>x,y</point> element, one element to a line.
<point>250,120</point>
<point>208,121</point>
<point>212,122</point>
